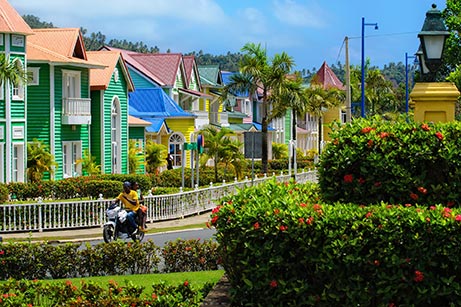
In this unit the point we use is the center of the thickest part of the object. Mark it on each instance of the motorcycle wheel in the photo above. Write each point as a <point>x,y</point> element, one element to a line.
<point>138,237</point>
<point>108,233</point>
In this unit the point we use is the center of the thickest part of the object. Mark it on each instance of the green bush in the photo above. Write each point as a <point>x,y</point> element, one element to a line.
<point>369,161</point>
<point>281,247</point>
<point>190,255</point>
<point>4,193</point>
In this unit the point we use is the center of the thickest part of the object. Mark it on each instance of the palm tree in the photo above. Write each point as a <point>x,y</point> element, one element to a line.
<point>215,141</point>
<point>231,155</point>
<point>134,157</point>
<point>10,71</point>
<point>89,165</point>
<point>259,72</point>
<point>155,156</point>
<point>39,161</point>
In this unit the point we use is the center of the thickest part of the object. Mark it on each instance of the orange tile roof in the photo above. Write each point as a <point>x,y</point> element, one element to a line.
<point>100,78</point>
<point>134,121</point>
<point>59,46</point>
<point>11,21</point>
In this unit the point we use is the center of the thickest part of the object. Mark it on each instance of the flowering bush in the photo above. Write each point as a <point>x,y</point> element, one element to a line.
<point>281,246</point>
<point>372,160</point>
<point>38,293</point>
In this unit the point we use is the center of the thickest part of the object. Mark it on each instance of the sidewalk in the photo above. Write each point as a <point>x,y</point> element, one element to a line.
<point>95,233</point>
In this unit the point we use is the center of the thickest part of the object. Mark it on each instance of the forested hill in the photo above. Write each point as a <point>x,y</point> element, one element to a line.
<point>229,62</point>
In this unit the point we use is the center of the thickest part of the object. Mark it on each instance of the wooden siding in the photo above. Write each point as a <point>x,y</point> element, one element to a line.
<point>115,89</point>
<point>288,133</point>
<point>67,132</point>
<point>184,126</point>
<point>96,127</point>
<point>38,107</point>
<point>137,134</point>
<point>139,80</point>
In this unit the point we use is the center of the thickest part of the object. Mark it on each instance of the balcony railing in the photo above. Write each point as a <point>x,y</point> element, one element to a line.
<point>76,111</point>
<point>44,216</point>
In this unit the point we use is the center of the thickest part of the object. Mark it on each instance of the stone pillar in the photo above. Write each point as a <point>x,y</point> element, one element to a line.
<point>434,101</point>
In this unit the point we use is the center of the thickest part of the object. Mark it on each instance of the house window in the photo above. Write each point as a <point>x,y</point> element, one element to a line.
<point>2,133</point>
<point>17,40</point>
<point>115,136</point>
<point>18,88</point>
<point>71,153</point>
<point>71,84</point>
<point>33,76</point>
<point>1,39</point>
<point>176,142</point>
<point>2,91</point>
<point>18,132</point>
<point>18,163</point>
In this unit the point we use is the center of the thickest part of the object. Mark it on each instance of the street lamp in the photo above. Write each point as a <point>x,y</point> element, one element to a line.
<point>406,78</point>
<point>362,105</point>
<point>433,36</point>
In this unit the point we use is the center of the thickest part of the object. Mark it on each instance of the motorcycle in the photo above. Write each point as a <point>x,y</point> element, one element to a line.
<point>117,226</point>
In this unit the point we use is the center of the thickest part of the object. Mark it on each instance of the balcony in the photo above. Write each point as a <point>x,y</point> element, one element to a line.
<point>76,111</point>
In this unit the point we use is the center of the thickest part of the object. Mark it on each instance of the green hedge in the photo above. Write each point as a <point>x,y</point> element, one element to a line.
<point>373,160</point>
<point>43,261</point>
<point>281,247</point>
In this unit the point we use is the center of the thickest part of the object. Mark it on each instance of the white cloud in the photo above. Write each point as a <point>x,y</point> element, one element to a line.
<point>293,13</point>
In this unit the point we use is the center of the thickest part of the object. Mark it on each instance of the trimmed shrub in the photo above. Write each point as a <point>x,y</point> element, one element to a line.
<point>373,160</point>
<point>281,247</point>
<point>4,193</point>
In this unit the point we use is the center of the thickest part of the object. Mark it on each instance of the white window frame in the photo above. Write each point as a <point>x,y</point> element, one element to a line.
<point>33,76</point>
<point>72,89</point>
<point>18,132</point>
<point>175,148</point>
<point>1,39</point>
<point>18,89</point>
<point>17,165</point>
<point>2,91</point>
<point>71,150</point>
<point>17,40</point>
<point>2,132</point>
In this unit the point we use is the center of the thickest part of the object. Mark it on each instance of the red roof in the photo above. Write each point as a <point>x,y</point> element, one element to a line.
<point>189,67</point>
<point>164,66</point>
<point>327,78</point>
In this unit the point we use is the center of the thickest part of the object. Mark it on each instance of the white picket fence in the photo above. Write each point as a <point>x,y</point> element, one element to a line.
<point>45,216</point>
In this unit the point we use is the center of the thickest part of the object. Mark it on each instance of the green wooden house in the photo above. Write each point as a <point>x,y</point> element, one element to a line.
<point>13,98</point>
<point>58,96</point>
<point>109,112</point>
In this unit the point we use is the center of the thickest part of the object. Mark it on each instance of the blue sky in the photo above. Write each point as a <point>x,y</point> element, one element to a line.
<point>311,31</point>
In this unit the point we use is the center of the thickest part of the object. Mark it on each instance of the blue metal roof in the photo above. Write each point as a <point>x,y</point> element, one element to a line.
<point>156,124</point>
<point>154,102</point>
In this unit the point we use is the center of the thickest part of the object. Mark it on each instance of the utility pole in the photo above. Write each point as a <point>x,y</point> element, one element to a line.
<point>348,84</point>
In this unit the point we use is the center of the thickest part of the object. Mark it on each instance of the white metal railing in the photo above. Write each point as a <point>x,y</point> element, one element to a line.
<point>42,216</point>
<point>76,106</point>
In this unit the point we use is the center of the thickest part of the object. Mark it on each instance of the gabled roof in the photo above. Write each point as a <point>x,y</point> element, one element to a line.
<point>11,21</point>
<point>54,45</point>
<point>210,75</point>
<point>327,78</point>
<point>100,78</point>
<point>64,41</point>
<point>189,61</point>
<point>164,66</point>
<point>154,103</point>
<point>128,57</point>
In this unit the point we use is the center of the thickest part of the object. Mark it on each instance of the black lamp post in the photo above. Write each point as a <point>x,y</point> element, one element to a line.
<point>433,36</point>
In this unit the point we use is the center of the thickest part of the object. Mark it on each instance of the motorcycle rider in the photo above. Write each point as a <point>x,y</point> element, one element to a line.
<point>130,200</point>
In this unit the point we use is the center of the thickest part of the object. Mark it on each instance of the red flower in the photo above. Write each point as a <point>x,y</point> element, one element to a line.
<point>348,178</point>
<point>366,129</point>
<point>361,180</point>
<point>256,225</point>
<point>425,127</point>
<point>369,214</point>
<point>276,211</point>
<point>216,210</point>
<point>458,218</point>
<point>154,296</point>
<point>370,143</point>
<point>439,135</point>
<point>450,203</point>
<point>214,220</point>
<point>414,196</point>
<point>310,220</point>
<point>377,184</point>
<point>273,283</point>
<point>392,305</point>
<point>383,135</point>
<point>303,205</point>
<point>301,221</point>
<point>283,228</point>
<point>376,263</point>
<point>186,284</point>
<point>422,190</point>
<point>419,276</point>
